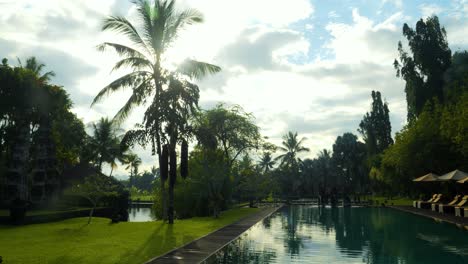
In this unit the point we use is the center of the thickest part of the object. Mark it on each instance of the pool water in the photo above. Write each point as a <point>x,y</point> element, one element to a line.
<point>141,214</point>
<point>304,234</point>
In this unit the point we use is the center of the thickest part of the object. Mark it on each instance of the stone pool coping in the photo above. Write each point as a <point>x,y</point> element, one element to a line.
<point>461,222</point>
<point>204,247</point>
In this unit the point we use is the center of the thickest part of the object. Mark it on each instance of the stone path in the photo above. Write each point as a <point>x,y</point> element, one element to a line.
<point>200,249</point>
<point>452,219</point>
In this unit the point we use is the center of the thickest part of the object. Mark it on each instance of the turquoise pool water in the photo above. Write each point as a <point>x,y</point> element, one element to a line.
<point>301,234</point>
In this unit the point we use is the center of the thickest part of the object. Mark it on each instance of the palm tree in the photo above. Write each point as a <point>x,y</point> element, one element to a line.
<point>266,162</point>
<point>150,77</point>
<point>133,162</point>
<point>105,142</point>
<point>292,146</point>
<point>36,67</point>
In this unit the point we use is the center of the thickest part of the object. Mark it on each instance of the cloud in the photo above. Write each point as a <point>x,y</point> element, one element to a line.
<point>261,48</point>
<point>397,3</point>
<point>430,9</point>
<point>54,59</point>
<point>364,40</point>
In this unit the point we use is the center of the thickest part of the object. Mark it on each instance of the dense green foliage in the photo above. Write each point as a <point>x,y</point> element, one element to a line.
<point>423,70</point>
<point>27,99</point>
<point>102,242</point>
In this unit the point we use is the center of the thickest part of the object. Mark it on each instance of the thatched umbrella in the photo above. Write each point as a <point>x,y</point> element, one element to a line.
<point>451,178</point>
<point>456,175</point>
<point>463,181</point>
<point>427,188</point>
<point>430,177</point>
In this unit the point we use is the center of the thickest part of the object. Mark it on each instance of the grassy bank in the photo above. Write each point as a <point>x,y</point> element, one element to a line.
<point>72,241</point>
<point>142,198</point>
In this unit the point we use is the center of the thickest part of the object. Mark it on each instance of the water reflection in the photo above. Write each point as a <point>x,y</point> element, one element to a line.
<point>302,234</point>
<point>139,213</point>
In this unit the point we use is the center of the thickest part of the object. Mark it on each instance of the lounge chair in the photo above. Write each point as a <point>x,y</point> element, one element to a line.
<point>450,207</point>
<point>418,203</point>
<point>435,203</point>
<point>427,204</point>
<point>460,207</point>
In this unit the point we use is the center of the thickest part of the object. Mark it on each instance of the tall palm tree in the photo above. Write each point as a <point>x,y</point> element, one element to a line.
<point>160,24</point>
<point>105,142</point>
<point>292,146</point>
<point>37,67</point>
<point>266,162</point>
<point>133,162</point>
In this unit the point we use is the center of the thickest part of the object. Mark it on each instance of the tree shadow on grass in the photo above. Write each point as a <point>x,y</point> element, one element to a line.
<point>157,244</point>
<point>66,259</point>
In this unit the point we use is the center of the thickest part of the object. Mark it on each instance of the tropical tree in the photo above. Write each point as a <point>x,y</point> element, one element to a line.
<point>229,128</point>
<point>133,162</point>
<point>349,158</point>
<point>291,146</point>
<point>105,144</point>
<point>375,126</point>
<point>267,162</point>
<point>36,67</point>
<point>423,69</point>
<point>151,77</point>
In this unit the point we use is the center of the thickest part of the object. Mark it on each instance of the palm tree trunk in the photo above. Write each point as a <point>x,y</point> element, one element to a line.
<point>112,168</point>
<point>163,200</point>
<point>172,179</point>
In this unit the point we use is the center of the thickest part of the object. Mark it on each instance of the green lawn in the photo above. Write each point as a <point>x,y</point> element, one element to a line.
<point>72,241</point>
<point>142,198</point>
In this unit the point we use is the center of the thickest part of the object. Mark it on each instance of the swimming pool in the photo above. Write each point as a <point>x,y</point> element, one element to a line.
<point>306,234</point>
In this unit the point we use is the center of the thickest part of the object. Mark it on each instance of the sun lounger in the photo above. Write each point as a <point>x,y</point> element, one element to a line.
<point>461,206</point>
<point>435,203</point>
<point>417,204</point>
<point>450,207</point>
<point>428,205</point>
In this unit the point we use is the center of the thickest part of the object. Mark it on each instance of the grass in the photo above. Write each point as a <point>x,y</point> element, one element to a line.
<point>394,201</point>
<point>142,198</point>
<point>72,241</point>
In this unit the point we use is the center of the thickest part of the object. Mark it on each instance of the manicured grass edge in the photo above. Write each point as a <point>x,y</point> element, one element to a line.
<point>258,210</point>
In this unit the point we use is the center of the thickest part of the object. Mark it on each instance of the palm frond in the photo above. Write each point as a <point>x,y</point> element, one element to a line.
<point>177,21</point>
<point>136,63</point>
<point>197,69</point>
<point>122,25</point>
<point>125,81</point>
<point>122,50</point>
<point>137,97</point>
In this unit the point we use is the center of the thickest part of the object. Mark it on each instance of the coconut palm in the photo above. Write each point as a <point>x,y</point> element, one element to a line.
<point>292,146</point>
<point>158,28</point>
<point>37,67</point>
<point>266,162</point>
<point>105,142</point>
<point>133,162</point>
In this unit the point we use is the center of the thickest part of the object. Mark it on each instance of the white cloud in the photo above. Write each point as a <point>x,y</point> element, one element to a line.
<point>364,40</point>
<point>397,3</point>
<point>333,14</point>
<point>430,9</point>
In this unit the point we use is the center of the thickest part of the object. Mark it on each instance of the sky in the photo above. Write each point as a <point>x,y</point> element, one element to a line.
<point>298,65</point>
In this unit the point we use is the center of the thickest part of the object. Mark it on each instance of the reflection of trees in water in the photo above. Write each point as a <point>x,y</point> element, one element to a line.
<point>292,241</point>
<point>387,236</point>
<point>370,235</point>
<point>242,250</point>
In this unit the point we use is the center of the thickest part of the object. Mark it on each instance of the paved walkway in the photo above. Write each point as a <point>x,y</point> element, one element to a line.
<point>200,249</point>
<point>452,219</point>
